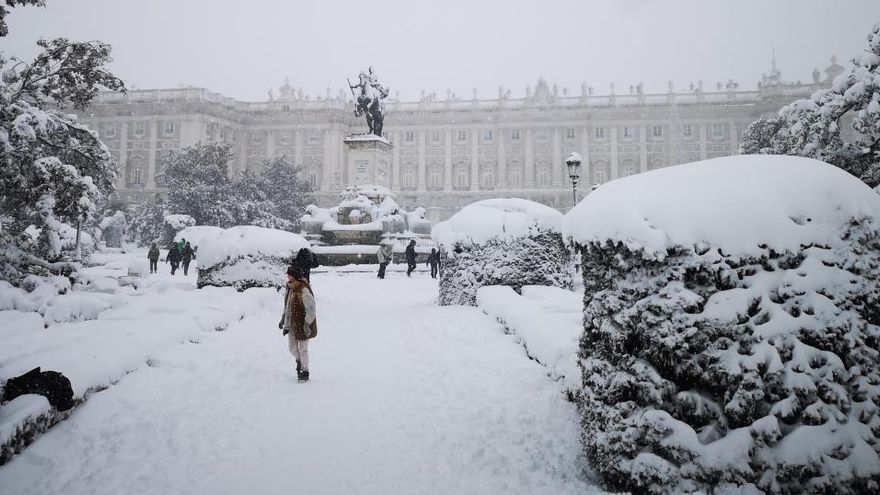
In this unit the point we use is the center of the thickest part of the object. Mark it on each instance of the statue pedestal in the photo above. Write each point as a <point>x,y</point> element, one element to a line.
<point>369,159</point>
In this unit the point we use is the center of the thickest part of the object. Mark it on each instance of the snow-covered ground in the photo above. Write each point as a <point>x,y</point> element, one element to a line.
<point>405,397</point>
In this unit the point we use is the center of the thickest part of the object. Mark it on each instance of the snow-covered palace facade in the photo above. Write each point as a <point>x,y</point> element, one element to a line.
<point>448,152</point>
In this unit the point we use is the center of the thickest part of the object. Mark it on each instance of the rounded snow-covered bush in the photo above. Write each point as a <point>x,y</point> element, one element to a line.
<point>172,224</point>
<point>511,242</point>
<point>243,257</point>
<point>732,327</point>
<point>113,229</point>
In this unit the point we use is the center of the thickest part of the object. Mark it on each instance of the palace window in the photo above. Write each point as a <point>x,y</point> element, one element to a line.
<point>570,133</point>
<point>461,177</point>
<point>168,128</point>
<point>408,181</point>
<point>313,181</point>
<point>687,130</point>
<point>600,133</point>
<point>542,176</point>
<point>462,136</point>
<point>515,176</point>
<point>435,177</point>
<point>600,173</point>
<point>628,132</point>
<point>627,168</point>
<point>435,136</point>
<point>137,176</point>
<point>717,130</point>
<point>514,134</point>
<point>139,129</point>
<point>487,135</point>
<point>487,177</point>
<point>410,136</point>
<point>109,130</point>
<point>657,131</point>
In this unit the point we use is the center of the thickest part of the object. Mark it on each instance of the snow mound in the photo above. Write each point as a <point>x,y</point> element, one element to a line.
<point>221,246</point>
<point>505,218</point>
<point>738,204</point>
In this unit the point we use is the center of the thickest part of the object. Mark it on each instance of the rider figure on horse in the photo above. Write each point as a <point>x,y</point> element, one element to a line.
<point>369,100</point>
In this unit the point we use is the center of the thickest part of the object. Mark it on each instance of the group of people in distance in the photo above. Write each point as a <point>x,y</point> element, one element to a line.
<point>386,256</point>
<point>178,252</point>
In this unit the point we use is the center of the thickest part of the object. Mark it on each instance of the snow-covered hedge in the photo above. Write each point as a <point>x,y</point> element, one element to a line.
<point>732,328</point>
<point>511,242</point>
<point>244,256</point>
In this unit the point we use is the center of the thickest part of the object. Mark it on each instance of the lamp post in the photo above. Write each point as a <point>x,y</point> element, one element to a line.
<point>573,162</point>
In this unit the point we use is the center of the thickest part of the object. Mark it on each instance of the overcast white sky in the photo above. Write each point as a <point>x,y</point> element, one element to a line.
<point>242,48</point>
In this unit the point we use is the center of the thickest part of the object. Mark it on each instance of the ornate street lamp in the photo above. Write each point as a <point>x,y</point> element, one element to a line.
<point>573,162</point>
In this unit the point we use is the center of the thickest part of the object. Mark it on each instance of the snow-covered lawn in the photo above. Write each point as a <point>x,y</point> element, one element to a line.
<point>405,397</point>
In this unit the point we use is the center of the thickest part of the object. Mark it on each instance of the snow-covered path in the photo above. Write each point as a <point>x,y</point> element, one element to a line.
<point>405,397</point>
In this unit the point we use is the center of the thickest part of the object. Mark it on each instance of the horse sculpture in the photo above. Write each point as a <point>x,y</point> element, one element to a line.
<point>369,101</point>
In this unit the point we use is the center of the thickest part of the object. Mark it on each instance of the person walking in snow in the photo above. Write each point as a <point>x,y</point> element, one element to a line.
<point>304,262</point>
<point>434,261</point>
<point>187,257</point>
<point>410,257</point>
<point>385,256</point>
<point>299,320</point>
<point>173,258</point>
<point>153,256</point>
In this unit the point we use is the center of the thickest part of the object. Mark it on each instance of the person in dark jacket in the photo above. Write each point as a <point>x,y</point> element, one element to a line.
<point>410,254</point>
<point>304,262</point>
<point>434,261</point>
<point>187,257</point>
<point>173,258</point>
<point>153,256</point>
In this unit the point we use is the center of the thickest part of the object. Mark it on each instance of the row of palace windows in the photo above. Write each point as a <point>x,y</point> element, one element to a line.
<point>461,177</point>
<point>138,129</point>
<point>600,133</point>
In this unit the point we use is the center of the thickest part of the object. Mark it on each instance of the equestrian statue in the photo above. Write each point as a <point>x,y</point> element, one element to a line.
<point>369,100</point>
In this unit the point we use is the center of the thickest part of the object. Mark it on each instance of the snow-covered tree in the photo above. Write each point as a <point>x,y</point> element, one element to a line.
<point>812,127</point>
<point>4,11</point>
<point>731,338</point>
<point>511,242</point>
<point>285,190</point>
<point>54,170</point>
<point>199,185</point>
<point>146,226</point>
<point>198,182</point>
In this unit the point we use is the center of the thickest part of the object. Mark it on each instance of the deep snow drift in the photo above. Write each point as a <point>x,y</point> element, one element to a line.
<point>732,315</point>
<point>405,397</point>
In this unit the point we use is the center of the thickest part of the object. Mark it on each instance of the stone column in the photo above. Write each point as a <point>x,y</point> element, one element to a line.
<point>475,165</point>
<point>447,153</point>
<point>420,182</point>
<point>328,157</point>
<point>734,145</point>
<point>586,179</point>
<point>501,180</point>
<point>331,161</point>
<point>529,179</point>
<point>643,149</point>
<point>298,148</point>
<point>395,162</point>
<point>270,143</point>
<point>123,155</point>
<point>703,141</point>
<point>150,179</point>
<point>556,166</point>
<point>615,166</point>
